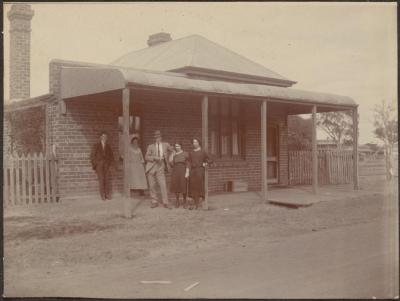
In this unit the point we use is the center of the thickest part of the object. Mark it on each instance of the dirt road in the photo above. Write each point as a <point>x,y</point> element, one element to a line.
<point>346,248</point>
<point>303,266</point>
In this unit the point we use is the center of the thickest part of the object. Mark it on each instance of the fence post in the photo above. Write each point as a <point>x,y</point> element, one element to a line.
<point>30,199</point>
<point>6,183</point>
<point>125,137</point>
<point>264,152</point>
<point>17,179</point>
<point>23,181</point>
<point>334,166</point>
<point>41,177</point>
<point>314,150</point>
<point>355,149</point>
<point>12,181</point>
<point>53,178</point>
<point>291,168</point>
<point>47,175</point>
<point>35,177</point>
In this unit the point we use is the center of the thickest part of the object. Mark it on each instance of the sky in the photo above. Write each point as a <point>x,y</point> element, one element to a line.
<point>342,48</point>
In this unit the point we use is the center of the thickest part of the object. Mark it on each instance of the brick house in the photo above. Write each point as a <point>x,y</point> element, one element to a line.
<point>189,87</point>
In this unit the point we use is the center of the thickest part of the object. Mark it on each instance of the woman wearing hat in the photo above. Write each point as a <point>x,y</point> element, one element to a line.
<point>137,176</point>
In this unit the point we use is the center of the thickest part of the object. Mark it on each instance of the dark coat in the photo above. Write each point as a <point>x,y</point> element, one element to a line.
<point>100,156</point>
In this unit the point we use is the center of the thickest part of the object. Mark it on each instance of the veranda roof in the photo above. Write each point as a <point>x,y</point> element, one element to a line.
<point>79,81</point>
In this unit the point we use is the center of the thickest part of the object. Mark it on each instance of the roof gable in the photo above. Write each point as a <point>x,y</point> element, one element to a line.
<point>197,56</point>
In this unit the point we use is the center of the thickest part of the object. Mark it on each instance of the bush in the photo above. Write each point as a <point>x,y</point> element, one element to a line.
<point>26,130</point>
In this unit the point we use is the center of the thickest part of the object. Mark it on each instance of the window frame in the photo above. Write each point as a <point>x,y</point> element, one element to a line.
<point>217,120</point>
<point>274,159</point>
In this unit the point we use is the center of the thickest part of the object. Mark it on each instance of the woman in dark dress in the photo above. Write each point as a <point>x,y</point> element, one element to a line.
<point>198,160</point>
<point>179,162</point>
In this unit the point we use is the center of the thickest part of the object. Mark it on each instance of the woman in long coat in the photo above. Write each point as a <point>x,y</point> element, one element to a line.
<point>137,176</point>
<point>198,160</point>
<point>179,161</point>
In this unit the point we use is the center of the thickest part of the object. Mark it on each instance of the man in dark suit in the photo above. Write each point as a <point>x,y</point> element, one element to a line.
<point>102,158</point>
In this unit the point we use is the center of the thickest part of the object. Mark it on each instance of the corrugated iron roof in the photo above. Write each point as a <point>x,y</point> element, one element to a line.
<point>198,52</point>
<point>19,104</point>
<point>75,83</point>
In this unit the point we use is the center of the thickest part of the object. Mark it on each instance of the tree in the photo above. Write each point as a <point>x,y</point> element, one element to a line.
<point>385,123</point>
<point>26,130</point>
<point>338,126</point>
<point>299,133</point>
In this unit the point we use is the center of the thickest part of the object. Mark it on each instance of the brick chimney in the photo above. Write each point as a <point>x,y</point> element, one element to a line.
<point>158,38</point>
<point>20,16</point>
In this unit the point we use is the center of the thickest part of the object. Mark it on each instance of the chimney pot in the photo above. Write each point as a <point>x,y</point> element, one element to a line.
<point>158,38</point>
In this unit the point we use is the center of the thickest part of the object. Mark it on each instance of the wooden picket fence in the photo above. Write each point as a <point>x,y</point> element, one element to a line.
<point>30,179</point>
<point>334,167</point>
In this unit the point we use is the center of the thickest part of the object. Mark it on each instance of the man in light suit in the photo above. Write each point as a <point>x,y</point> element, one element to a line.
<point>156,166</point>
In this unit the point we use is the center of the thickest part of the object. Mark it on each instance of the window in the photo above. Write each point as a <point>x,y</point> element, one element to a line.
<point>226,128</point>
<point>272,153</point>
<point>135,127</point>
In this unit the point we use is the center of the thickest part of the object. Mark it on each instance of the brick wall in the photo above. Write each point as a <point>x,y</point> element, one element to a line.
<point>75,133</point>
<point>6,132</point>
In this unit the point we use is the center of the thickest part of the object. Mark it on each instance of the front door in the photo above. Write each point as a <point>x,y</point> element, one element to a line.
<point>272,154</point>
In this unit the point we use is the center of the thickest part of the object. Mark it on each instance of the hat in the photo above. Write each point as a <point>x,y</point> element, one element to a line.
<point>157,133</point>
<point>134,136</point>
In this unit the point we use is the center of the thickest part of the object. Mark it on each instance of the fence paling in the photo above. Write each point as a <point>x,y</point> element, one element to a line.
<point>47,169</point>
<point>334,173</point>
<point>292,171</point>
<point>41,165</point>
<point>23,179</point>
<point>5,183</point>
<point>335,167</point>
<point>53,181</point>
<point>17,181</point>
<point>12,181</point>
<point>296,168</point>
<point>34,179</point>
<point>30,199</point>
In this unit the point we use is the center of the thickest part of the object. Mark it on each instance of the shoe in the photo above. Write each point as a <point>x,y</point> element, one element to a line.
<point>108,198</point>
<point>167,206</point>
<point>154,205</point>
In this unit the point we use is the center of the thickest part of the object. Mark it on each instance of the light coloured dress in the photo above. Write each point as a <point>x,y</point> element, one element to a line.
<point>137,176</point>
